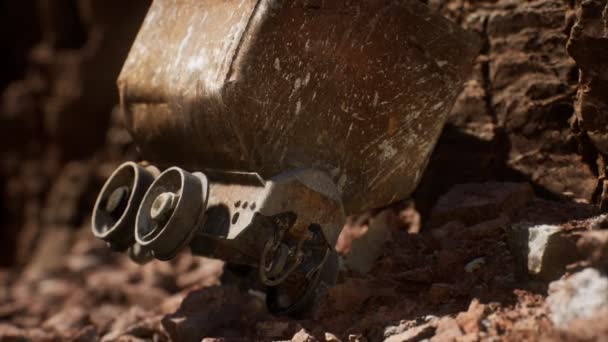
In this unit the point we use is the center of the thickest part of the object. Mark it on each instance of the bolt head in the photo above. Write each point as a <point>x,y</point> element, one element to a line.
<point>162,205</point>
<point>116,198</point>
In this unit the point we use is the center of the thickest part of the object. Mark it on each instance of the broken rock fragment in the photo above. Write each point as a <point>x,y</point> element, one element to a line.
<point>366,245</point>
<point>447,330</point>
<point>545,250</point>
<point>67,321</point>
<point>416,333</point>
<point>303,336</point>
<point>213,311</point>
<point>470,321</point>
<point>578,296</point>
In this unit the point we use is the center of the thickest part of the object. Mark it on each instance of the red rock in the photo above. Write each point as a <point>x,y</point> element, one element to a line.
<point>356,338</point>
<point>86,334</point>
<point>213,311</point>
<point>447,330</point>
<point>418,333</point>
<point>135,322</point>
<point>329,337</point>
<point>129,338</point>
<point>172,304</point>
<point>303,336</point>
<point>11,333</point>
<point>470,320</point>
<point>144,296</point>
<point>67,321</point>
<point>104,315</point>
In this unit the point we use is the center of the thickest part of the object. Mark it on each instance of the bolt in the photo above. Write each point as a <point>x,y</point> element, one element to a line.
<point>163,204</point>
<point>117,198</point>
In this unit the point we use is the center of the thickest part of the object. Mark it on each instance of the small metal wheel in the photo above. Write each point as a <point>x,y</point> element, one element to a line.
<point>170,211</point>
<point>116,206</point>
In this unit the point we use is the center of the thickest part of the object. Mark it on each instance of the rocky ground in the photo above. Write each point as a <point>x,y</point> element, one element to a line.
<point>498,263</point>
<point>505,239</point>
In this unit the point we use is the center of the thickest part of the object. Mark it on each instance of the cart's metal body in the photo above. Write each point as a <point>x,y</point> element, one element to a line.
<point>349,94</point>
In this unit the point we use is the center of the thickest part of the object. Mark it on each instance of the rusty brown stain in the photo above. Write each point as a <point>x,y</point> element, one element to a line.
<point>393,125</point>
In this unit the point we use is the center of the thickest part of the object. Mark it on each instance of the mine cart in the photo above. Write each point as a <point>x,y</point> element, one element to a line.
<point>271,121</point>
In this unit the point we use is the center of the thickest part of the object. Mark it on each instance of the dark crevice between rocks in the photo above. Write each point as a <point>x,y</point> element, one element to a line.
<point>590,155</point>
<point>65,28</point>
<point>19,31</point>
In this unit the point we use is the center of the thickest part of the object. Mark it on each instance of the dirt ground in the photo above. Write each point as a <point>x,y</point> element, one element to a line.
<point>505,238</point>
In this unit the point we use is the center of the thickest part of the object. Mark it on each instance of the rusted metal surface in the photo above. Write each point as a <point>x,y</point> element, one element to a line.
<point>357,89</point>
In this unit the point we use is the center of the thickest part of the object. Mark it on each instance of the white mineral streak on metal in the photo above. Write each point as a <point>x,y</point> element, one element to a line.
<point>296,86</point>
<point>342,182</point>
<point>380,177</point>
<point>182,46</point>
<point>306,79</point>
<point>539,235</point>
<point>277,64</point>
<point>387,150</point>
<point>437,105</point>
<point>298,107</point>
<point>350,130</point>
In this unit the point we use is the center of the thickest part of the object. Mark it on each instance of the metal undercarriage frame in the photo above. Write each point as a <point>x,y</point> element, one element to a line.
<point>278,233</point>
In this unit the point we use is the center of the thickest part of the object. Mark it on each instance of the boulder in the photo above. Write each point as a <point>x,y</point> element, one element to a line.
<point>578,296</point>
<point>543,250</point>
